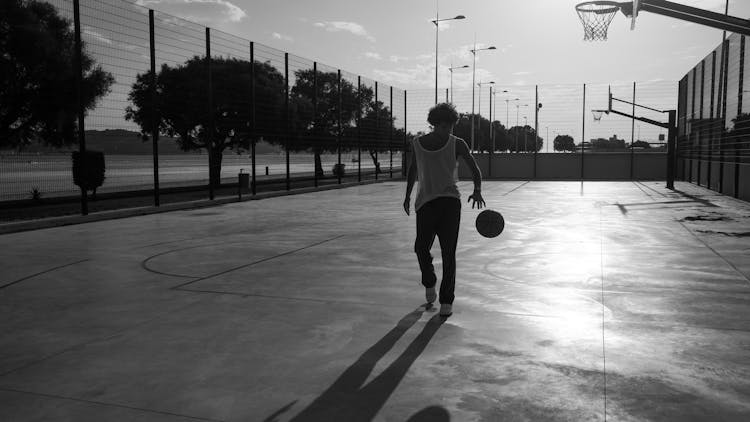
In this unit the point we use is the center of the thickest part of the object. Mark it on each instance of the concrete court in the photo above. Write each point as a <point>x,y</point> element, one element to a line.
<point>602,300</point>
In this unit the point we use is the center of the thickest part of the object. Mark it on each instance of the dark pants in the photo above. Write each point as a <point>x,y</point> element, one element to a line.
<point>440,217</point>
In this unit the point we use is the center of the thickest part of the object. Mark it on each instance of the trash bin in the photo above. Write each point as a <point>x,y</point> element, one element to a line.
<point>244,180</point>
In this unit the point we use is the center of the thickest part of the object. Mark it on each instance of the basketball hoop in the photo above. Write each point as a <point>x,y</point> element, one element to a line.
<point>598,114</point>
<point>596,17</point>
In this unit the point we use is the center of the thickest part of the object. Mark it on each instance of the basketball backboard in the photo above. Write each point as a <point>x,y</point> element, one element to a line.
<point>636,7</point>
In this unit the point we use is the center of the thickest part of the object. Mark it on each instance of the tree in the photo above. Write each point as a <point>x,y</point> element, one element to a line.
<point>462,129</point>
<point>564,143</point>
<point>37,94</point>
<point>611,144</point>
<point>377,127</point>
<point>316,114</point>
<point>181,106</point>
<point>522,139</point>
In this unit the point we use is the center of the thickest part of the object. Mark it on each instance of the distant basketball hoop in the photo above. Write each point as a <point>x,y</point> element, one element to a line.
<point>598,114</point>
<point>596,17</point>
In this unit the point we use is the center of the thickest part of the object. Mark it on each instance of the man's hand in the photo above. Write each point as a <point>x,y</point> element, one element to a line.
<point>407,204</point>
<point>478,200</point>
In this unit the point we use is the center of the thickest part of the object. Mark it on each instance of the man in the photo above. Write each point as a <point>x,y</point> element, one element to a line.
<point>438,202</point>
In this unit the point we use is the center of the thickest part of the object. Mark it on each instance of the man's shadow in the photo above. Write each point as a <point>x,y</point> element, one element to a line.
<point>347,399</point>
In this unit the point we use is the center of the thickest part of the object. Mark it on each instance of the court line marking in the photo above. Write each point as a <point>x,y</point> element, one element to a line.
<point>745,276</point>
<point>179,286</point>
<point>102,403</point>
<point>43,272</point>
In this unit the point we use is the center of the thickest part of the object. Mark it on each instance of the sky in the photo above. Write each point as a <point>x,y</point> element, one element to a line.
<point>538,42</point>
<point>393,41</point>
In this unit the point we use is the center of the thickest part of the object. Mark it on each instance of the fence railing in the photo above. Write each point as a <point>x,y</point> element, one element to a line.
<point>183,104</point>
<point>714,121</point>
<point>189,105</point>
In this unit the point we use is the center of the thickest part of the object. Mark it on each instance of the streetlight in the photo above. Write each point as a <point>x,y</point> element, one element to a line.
<point>437,21</point>
<point>518,106</point>
<point>479,111</point>
<point>450,69</point>
<point>473,81</point>
<point>506,109</point>
<point>493,111</point>
<point>525,131</point>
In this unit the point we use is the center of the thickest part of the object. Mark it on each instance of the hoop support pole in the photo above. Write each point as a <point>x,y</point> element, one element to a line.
<point>696,15</point>
<point>643,119</point>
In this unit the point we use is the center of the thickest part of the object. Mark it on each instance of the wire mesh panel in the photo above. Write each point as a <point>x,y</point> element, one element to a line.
<point>368,125</point>
<point>182,102</point>
<point>117,35</point>
<point>270,117</point>
<point>559,118</point>
<point>304,149</point>
<point>352,154</point>
<point>398,136</point>
<point>714,149</point>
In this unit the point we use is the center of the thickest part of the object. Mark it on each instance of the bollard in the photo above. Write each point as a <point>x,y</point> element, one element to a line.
<point>266,170</point>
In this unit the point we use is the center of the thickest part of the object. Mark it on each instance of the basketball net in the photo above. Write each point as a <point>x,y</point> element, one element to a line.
<point>596,17</point>
<point>597,115</point>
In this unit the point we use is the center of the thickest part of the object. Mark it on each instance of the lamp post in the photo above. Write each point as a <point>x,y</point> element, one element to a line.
<point>437,21</point>
<point>450,69</point>
<point>493,111</point>
<point>473,81</point>
<point>518,106</point>
<point>479,111</point>
<point>506,110</point>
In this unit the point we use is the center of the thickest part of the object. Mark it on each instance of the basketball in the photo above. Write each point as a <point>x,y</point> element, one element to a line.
<point>490,223</point>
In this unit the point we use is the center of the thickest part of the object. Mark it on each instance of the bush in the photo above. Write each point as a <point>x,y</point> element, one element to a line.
<point>338,169</point>
<point>88,173</point>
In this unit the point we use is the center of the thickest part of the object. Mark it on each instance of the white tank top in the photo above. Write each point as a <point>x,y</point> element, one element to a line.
<point>437,172</point>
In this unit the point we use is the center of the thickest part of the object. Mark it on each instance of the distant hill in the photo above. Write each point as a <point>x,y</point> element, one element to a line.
<point>126,142</point>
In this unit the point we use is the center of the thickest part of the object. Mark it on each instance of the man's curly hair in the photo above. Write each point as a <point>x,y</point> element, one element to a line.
<point>442,113</point>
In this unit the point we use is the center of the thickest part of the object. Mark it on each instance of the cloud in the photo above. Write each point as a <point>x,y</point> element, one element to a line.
<point>373,55</point>
<point>351,27</point>
<point>199,10</point>
<point>396,59</point>
<point>279,36</point>
<point>521,73</point>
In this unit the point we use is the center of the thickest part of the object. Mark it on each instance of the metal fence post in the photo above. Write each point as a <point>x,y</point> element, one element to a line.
<point>583,129</point>
<point>314,123</point>
<point>252,117</point>
<point>154,117</point>
<point>403,153</point>
<point>739,111</point>
<point>77,64</point>
<point>671,142</point>
<point>390,134</point>
<point>712,118</point>
<point>210,139</point>
<point>376,140</point>
<point>359,130</point>
<point>286,117</point>
<point>632,135</point>
<point>693,127</point>
<point>536,124</point>
<point>723,113</point>
<point>701,129</point>
<point>339,132</point>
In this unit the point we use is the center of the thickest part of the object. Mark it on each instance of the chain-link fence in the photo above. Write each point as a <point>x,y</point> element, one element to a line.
<point>714,121</point>
<point>173,105</point>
